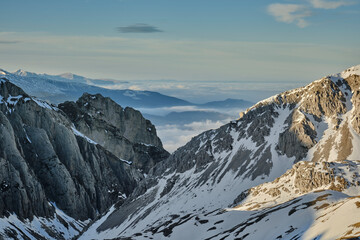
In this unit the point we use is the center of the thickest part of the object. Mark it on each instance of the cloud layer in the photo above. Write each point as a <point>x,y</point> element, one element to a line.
<point>139,28</point>
<point>175,136</point>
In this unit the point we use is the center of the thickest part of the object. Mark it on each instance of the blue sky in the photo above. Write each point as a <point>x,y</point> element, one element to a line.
<point>187,40</point>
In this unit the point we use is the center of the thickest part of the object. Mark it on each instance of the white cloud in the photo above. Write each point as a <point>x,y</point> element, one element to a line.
<point>290,13</point>
<point>133,87</point>
<point>329,4</point>
<point>175,136</point>
<point>296,13</point>
<point>165,110</point>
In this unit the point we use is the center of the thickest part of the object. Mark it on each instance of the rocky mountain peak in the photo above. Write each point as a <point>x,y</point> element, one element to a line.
<point>67,75</point>
<point>20,72</point>
<point>354,70</point>
<point>331,102</point>
<point>9,89</point>
<point>124,132</point>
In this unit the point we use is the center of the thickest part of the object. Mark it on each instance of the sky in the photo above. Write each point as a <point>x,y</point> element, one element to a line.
<point>275,41</point>
<point>197,50</point>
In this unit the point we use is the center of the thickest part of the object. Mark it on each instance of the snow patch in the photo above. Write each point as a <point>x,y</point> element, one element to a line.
<point>355,70</point>
<point>91,232</point>
<point>77,133</point>
<point>126,161</point>
<point>41,225</point>
<point>44,104</point>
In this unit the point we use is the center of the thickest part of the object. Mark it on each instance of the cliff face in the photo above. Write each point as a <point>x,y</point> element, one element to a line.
<point>124,132</point>
<point>47,163</point>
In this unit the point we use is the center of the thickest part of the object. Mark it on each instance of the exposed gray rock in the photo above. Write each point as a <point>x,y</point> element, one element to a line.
<point>353,82</point>
<point>124,132</point>
<point>298,137</point>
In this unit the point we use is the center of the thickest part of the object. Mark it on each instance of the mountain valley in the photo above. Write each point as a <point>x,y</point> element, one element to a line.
<point>287,168</point>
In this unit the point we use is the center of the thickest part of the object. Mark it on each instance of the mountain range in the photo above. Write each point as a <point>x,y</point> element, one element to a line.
<point>287,168</point>
<point>69,87</point>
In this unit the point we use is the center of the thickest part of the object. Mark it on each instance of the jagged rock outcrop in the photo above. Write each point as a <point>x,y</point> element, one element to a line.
<point>124,132</point>
<point>45,162</point>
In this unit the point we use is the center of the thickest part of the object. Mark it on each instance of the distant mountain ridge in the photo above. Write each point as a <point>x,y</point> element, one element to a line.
<point>70,87</point>
<point>66,77</point>
<point>228,103</point>
<point>57,89</point>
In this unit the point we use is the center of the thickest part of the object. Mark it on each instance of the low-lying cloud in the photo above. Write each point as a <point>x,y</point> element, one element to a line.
<point>175,136</point>
<point>139,28</point>
<point>162,111</point>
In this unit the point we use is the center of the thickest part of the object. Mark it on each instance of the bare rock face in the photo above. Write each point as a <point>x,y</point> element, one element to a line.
<point>43,161</point>
<point>308,176</point>
<point>353,82</point>
<point>299,137</point>
<point>124,132</point>
<point>20,189</point>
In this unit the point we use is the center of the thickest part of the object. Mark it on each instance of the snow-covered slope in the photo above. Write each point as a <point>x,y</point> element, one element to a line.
<point>194,193</point>
<point>58,226</point>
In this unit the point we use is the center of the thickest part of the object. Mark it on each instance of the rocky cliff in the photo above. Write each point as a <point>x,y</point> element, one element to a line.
<point>53,177</point>
<point>194,193</point>
<point>124,132</point>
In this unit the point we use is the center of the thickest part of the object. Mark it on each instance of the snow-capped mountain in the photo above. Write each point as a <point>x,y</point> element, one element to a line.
<point>66,77</point>
<point>288,168</point>
<point>69,87</point>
